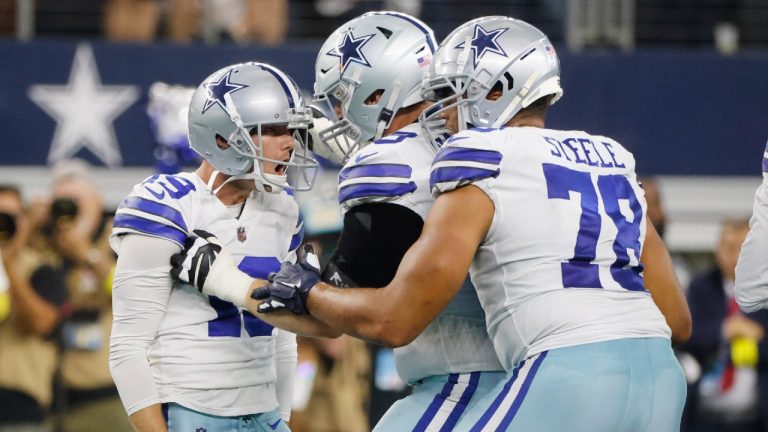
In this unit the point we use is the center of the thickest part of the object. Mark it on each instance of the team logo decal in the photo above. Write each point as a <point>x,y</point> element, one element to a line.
<point>485,41</point>
<point>349,50</point>
<point>217,90</point>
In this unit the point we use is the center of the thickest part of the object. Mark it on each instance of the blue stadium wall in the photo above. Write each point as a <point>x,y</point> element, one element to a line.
<point>680,112</point>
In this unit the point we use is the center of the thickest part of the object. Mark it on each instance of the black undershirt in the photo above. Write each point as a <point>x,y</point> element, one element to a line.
<point>372,244</point>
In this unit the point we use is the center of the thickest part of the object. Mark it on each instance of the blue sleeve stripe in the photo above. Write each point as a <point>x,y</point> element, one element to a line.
<point>375,190</point>
<point>765,165</point>
<point>296,239</point>
<point>375,170</point>
<point>155,208</point>
<point>150,227</point>
<point>468,154</point>
<point>454,174</point>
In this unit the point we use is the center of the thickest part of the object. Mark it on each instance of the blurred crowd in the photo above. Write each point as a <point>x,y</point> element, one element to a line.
<point>677,22</point>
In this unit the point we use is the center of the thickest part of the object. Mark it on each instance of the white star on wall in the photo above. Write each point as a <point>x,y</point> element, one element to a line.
<point>84,110</point>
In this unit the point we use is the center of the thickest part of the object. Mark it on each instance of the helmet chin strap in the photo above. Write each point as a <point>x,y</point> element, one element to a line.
<point>386,119</point>
<point>270,186</point>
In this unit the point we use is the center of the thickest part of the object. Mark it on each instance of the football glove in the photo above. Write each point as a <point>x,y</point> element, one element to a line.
<point>289,288</point>
<point>206,265</point>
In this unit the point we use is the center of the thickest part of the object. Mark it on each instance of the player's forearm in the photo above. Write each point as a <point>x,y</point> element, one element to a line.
<point>300,324</point>
<point>661,281</point>
<point>360,312</point>
<point>149,419</point>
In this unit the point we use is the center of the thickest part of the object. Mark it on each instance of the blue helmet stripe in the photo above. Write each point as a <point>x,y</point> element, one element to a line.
<point>419,25</point>
<point>282,81</point>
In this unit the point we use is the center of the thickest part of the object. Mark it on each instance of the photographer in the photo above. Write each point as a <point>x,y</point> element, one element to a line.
<point>89,398</point>
<point>29,354</point>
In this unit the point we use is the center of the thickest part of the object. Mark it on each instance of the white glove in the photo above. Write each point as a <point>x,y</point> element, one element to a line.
<point>205,264</point>
<point>332,145</point>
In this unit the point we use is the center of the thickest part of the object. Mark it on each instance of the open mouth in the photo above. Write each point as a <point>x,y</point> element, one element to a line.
<point>281,168</point>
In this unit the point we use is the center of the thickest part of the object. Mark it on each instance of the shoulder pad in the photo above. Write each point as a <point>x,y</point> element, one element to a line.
<point>466,157</point>
<point>153,208</point>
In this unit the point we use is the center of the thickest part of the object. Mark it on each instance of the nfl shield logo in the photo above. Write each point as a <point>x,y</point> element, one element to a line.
<point>241,234</point>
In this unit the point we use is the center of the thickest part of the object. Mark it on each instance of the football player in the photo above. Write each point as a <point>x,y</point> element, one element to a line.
<point>370,70</point>
<point>182,360</point>
<point>578,290</point>
<point>752,270</point>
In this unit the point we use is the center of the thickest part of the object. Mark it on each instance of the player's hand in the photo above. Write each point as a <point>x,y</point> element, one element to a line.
<point>206,264</point>
<point>289,288</point>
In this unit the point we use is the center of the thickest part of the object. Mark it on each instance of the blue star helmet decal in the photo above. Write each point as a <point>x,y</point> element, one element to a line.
<point>485,41</point>
<point>349,50</point>
<point>217,90</point>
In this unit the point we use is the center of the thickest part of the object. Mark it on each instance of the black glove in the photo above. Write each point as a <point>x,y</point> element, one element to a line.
<point>206,265</point>
<point>289,288</point>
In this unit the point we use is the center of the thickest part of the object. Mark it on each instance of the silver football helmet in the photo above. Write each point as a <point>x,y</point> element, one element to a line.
<point>235,104</point>
<point>484,53</point>
<point>378,53</point>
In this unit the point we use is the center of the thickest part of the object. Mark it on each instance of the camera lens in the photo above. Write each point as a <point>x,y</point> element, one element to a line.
<point>7,227</point>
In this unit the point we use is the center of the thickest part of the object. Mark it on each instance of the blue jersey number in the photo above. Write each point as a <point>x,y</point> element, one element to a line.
<point>175,186</point>
<point>395,138</point>
<point>580,271</point>
<point>229,317</point>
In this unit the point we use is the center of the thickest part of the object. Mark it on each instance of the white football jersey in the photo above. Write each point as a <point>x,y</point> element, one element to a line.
<point>560,265</point>
<point>208,354</point>
<point>395,169</point>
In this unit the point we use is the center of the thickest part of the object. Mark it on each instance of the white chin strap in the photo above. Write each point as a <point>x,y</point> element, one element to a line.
<point>270,186</point>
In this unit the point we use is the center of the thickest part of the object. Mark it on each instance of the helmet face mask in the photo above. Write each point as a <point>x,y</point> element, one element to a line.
<point>499,56</point>
<point>236,103</point>
<point>379,53</point>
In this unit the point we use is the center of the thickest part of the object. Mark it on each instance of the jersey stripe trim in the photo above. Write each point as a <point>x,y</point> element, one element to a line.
<point>150,227</point>
<point>468,154</point>
<point>296,239</point>
<point>506,405</point>
<point>375,189</point>
<point>459,174</point>
<point>446,408</point>
<point>375,170</point>
<point>155,208</point>
<point>466,397</point>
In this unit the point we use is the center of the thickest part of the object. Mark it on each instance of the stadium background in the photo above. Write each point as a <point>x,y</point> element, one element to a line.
<point>665,80</point>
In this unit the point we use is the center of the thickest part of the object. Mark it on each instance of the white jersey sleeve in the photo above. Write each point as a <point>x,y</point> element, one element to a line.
<point>752,267</point>
<point>156,207</point>
<point>140,293</point>
<point>393,169</point>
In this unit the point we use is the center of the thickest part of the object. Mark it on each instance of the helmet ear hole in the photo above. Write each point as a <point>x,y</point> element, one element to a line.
<point>374,97</point>
<point>221,142</point>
